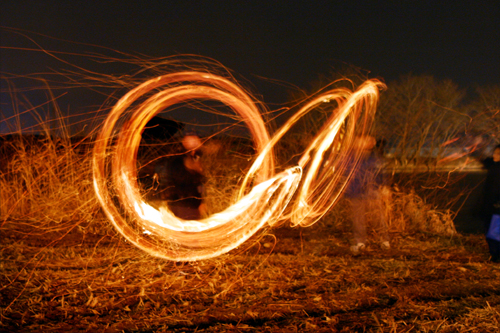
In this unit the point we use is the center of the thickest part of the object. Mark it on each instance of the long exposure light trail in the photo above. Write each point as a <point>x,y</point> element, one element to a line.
<point>264,198</point>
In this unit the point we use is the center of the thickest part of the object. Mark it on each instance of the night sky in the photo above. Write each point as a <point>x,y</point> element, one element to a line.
<point>282,41</point>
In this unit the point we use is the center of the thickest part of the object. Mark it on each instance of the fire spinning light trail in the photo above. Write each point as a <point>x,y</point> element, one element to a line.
<point>301,194</point>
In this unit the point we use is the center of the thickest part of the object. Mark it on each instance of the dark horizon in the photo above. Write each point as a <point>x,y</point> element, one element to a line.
<point>276,48</point>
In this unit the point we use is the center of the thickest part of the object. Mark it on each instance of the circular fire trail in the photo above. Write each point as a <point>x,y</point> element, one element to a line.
<point>301,194</point>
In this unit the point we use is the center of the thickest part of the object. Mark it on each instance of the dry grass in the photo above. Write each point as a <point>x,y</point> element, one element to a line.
<point>47,182</point>
<point>64,269</point>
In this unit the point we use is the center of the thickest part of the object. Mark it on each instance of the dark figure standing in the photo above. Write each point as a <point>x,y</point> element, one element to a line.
<point>181,181</point>
<point>491,199</point>
<point>366,190</point>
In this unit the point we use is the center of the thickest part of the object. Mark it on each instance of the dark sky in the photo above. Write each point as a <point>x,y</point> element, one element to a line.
<point>290,41</point>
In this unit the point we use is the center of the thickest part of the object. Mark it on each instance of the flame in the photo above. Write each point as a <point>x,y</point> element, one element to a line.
<point>301,194</point>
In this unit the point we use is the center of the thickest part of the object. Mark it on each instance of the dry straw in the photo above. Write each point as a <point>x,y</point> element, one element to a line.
<point>63,268</point>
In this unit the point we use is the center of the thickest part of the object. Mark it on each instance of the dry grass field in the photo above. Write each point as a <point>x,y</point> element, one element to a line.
<point>63,268</point>
<point>291,280</point>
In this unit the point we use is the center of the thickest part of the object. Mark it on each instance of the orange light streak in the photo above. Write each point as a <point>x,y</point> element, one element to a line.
<point>264,199</point>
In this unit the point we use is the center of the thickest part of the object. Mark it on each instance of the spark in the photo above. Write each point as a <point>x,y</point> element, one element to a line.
<point>301,194</point>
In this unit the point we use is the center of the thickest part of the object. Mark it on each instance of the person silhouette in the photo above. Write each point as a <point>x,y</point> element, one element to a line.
<point>490,208</point>
<point>181,180</point>
<point>366,191</point>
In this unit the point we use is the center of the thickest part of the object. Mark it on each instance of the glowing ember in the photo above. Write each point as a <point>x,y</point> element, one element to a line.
<point>275,199</point>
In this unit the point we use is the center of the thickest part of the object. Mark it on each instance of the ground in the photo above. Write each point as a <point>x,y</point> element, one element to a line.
<point>288,280</point>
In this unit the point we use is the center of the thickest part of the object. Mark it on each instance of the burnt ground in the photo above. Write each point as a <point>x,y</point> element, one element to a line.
<point>88,279</point>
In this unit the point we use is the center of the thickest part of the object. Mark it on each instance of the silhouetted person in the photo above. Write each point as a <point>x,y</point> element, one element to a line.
<point>491,200</point>
<point>366,190</point>
<point>181,181</point>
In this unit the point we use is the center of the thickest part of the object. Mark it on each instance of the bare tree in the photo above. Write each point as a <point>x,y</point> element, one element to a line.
<point>417,115</point>
<point>486,111</point>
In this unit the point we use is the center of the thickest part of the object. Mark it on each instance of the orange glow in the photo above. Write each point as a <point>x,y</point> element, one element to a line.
<point>301,194</point>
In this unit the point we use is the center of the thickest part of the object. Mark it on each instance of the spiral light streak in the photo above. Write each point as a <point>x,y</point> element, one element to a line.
<point>264,198</point>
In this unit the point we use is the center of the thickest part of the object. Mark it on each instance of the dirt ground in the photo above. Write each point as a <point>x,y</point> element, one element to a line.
<point>79,279</point>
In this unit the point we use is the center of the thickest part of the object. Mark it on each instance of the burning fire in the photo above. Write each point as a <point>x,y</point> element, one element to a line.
<point>301,194</point>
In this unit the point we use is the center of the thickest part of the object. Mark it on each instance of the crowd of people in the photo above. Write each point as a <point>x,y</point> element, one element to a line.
<point>181,185</point>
